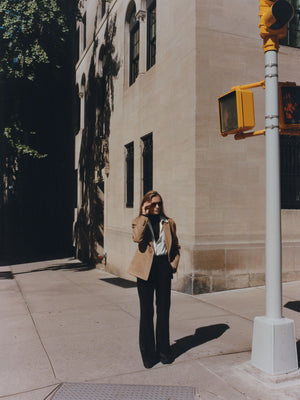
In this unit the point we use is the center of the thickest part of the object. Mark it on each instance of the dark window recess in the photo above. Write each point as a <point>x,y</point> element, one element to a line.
<point>147,163</point>
<point>134,29</point>
<point>129,174</point>
<point>77,46</point>
<point>151,33</point>
<point>290,172</point>
<point>75,197</point>
<point>103,8</point>
<point>293,35</point>
<point>77,111</point>
<point>84,32</point>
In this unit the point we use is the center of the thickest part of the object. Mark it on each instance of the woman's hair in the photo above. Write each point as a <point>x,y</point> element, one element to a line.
<point>148,197</point>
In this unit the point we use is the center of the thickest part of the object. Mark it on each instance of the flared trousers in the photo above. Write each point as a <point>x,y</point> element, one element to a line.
<point>155,343</point>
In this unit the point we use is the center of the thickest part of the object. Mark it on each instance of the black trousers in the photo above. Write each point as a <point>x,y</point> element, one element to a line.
<point>158,343</point>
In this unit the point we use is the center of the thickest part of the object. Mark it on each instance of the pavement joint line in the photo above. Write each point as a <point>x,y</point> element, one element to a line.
<point>219,377</point>
<point>53,391</point>
<point>35,327</point>
<point>96,380</point>
<point>224,309</point>
<point>33,390</point>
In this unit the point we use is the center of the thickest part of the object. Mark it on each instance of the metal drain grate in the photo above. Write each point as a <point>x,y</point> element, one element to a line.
<point>95,391</point>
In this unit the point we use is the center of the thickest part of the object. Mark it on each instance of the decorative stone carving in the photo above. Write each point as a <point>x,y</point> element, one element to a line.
<point>141,15</point>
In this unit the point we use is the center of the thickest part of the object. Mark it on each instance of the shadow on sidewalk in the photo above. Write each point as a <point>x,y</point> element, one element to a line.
<point>201,336</point>
<point>6,259</point>
<point>295,306</point>
<point>6,274</point>
<point>120,282</point>
<point>76,267</point>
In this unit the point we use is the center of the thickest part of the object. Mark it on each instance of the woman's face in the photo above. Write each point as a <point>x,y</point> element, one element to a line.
<point>155,206</point>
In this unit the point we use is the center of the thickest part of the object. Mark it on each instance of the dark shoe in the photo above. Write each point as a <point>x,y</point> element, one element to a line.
<point>167,358</point>
<point>149,363</point>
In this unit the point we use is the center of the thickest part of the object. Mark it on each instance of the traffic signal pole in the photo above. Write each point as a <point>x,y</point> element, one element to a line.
<point>274,344</point>
<point>273,203</point>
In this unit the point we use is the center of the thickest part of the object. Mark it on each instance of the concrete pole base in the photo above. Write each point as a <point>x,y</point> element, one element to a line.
<point>274,345</point>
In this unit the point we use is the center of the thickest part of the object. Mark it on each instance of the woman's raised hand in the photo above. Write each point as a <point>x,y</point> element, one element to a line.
<point>146,207</point>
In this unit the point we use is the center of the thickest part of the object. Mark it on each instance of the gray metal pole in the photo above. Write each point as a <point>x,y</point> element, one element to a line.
<point>274,343</point>
<point>273,206</point>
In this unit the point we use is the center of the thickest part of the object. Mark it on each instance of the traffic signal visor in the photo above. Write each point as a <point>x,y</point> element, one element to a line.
<point>289,106</point>
<point>274,17</point>
<point>236,112</point>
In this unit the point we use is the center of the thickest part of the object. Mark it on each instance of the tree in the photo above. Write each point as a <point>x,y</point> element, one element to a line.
<point>33,34</point>
<point>36,78</point>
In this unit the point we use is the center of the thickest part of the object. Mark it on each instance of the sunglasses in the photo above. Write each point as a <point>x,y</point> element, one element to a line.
<point>156,204</point>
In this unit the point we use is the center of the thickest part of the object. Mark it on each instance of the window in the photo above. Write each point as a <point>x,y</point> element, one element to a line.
<point>293,36</point>
<point>290,171</point>
<point>129,174</point>
<point>77,46</point>
<point>84,32</point>
<point>77,111</point>
<point>75,197</point>
<point>134,52</point>
<point>147,157</point>
<point>151,33</point>
<point>103,7</point>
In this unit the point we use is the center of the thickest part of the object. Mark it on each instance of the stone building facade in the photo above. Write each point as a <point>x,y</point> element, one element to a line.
<point>175,60</point>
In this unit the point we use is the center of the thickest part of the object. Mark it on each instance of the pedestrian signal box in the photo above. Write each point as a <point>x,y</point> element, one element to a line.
<point>236,112</point>
<point>289,106</point>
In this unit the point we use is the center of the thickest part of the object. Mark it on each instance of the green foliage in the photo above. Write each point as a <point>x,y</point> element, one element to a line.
<point>32,33</point>
<point>14,136</point>
<point>33,37</point>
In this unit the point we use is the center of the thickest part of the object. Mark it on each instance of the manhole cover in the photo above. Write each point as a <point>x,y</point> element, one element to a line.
<point>95,391</point>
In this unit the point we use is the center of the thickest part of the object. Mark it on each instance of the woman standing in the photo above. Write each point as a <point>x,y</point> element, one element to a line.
<point>154,263</point>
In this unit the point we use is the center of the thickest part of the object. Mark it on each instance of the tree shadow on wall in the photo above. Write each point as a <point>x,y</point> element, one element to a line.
<point>201,336</point>
<point>94,151</point>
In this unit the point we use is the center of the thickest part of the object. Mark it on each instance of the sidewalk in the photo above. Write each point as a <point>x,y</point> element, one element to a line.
<point>62,322</point>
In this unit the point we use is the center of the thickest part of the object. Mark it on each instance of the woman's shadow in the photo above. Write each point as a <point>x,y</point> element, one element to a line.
<point>295,306</point>
<point>201,336</point>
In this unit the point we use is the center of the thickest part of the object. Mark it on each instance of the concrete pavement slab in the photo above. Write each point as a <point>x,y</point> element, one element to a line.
<point>249,302</point>
<point>80,358</point>
<point>291,290</point>
<point>247,379</point>
<point>36,394</point>
<point>85,329</point>
<point>100,320</point>
<point>24,366</point>
<point>12,302</point>
<point>185,307</point>
<point>211,336</point>
<point>186,373</point>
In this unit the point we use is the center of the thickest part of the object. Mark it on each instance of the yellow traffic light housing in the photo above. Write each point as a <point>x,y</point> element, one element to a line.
<point>236,112</point>
<point>289,107</point>
<point>274,17</point>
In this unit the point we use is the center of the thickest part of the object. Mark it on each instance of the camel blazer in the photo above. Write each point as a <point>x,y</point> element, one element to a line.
<point>142,261</point>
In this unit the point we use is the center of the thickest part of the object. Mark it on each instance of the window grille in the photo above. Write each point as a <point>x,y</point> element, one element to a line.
<point>134,29</point>
<point>129,174</point>
<point>103,8</point>
<point>147,163</point>
<point>151,33</point>
<point>84,32</point>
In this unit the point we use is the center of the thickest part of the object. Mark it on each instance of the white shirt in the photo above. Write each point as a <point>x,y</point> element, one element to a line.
<point>159,245</point>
